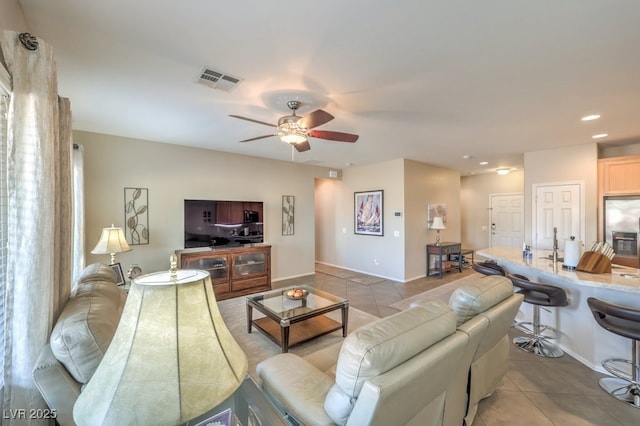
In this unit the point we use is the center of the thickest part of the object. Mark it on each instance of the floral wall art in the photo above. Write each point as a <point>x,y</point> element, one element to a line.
<point>136,215</point>
<point>288,205</point>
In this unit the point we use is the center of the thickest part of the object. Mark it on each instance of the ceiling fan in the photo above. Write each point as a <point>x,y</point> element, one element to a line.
<point>296,130</point>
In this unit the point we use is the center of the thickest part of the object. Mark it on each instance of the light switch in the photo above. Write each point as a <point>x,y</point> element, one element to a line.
<point>396,233</point>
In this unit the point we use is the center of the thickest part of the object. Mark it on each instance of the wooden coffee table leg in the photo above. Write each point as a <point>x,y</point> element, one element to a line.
<point>284,336</point>
<point>345,319</point>
<point>249,317</point>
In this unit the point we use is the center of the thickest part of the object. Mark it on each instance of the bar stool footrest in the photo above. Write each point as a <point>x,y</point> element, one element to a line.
<point>545,331</point>
<point>621,390</point>
<point>622,369</point>
<point>538,346</point>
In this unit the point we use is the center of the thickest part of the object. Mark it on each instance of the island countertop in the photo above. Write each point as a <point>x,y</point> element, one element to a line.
<point>621,278</point>
<point>580,336</point>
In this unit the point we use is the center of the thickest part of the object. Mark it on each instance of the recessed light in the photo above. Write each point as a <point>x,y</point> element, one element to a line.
<point>503,171</point>
<point>484,163</point>
<point>466,156</point>
<point>600,136</point>
<point>590,117</point>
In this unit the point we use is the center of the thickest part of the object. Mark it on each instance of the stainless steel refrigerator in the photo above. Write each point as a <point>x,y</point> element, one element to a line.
<point>622,227</point>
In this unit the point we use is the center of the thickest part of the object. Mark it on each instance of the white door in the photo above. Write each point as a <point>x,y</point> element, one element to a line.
<point>557,206</point>
<point>507,220</point>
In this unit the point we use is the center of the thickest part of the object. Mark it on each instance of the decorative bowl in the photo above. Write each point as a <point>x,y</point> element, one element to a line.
<point>295,293</point>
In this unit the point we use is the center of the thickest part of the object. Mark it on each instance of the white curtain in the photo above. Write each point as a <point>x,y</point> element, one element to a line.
<point>78,214</point>
<point>39,215</point>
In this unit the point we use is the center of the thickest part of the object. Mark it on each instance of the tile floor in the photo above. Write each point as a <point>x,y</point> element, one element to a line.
<point>535,391</point>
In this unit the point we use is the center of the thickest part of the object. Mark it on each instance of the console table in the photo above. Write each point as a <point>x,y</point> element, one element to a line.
<point>443,250</point>
<point>235,271</point>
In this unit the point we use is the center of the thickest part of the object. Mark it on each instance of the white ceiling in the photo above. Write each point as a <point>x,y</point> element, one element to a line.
<point>430,80</point>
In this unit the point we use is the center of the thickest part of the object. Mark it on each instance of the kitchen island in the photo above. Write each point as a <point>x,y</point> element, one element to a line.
<point>581,337</point>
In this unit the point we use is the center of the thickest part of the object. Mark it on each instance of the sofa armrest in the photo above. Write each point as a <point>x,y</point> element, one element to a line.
<point>57,387</point>
<point>296,386</point>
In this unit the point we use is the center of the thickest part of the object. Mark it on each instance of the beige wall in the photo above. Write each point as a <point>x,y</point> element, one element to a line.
<point>564,165</point>
<point>425,184</point>
<point>475,202</point>
<point>11,16</point>
<point>173,173</point>
<point>338,245</point>
<point>409,186</point>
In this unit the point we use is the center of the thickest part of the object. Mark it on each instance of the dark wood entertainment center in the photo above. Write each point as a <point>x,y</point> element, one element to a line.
<point>235,271</point>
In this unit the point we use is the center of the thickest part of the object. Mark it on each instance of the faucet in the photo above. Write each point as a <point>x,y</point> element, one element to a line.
<point>555,245</point>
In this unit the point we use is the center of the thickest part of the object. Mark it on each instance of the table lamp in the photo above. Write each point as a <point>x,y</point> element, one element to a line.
<point>111,241</point>
<point>172,357</point>
<point>438,224</point>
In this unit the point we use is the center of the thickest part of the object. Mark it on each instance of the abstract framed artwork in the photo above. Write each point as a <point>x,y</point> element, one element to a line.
<point>436,210</point>
<point>369,213</point>
<point>288,218</point>
<point>136,215</point>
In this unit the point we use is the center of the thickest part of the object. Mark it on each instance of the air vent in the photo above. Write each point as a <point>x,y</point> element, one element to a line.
<point>217,80</point>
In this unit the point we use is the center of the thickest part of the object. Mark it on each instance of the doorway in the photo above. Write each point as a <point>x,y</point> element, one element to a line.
<point>507,220</point>
<point>559,206</point>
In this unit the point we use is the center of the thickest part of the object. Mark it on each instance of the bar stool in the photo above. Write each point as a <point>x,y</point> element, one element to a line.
<point>488,268</point>
<point>623,321</point>
<point>538,335</point>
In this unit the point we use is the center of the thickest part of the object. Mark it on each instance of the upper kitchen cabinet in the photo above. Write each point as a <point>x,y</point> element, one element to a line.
<point>619,175</point>
<point>229,212</point>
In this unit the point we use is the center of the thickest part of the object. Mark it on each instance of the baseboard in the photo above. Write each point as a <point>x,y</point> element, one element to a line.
<point>362,272</point>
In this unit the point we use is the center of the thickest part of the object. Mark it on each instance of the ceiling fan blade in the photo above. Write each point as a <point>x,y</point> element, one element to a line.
<point>315,119</point>
<point>333,136</point>
<point>252,120</point>
<point>256,138</point>
<point>302,146</point>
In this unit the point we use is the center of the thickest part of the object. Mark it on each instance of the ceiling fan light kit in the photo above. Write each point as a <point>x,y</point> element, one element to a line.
<point>296,130</point>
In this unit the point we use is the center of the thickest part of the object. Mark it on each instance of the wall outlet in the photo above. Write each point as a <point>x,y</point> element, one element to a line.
<point>344,230</point>
<point>375,262</point>
<point>396,233</point>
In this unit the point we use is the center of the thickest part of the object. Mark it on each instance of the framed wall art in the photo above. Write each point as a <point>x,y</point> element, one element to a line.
<point>136,215</point>
<point>369,213</point>
<point>117,268</point>
<point>288,218</point>
<point>436,210</point>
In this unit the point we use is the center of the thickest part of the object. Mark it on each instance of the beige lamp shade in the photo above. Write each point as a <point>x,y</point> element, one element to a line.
<point>438,223</point>
<point>111,241</point>
<point>172,357</point>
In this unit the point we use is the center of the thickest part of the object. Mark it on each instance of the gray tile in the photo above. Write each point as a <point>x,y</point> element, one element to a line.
<point>508,408</point>
<point>571,410</point>
<point>622,412</point>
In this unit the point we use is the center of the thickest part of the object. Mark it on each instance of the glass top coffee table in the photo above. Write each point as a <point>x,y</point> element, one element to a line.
<point>291,321</point>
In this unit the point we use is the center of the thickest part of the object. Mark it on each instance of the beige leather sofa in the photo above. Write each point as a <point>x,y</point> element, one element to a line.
<point>409,368</point>
<point>79,340</point>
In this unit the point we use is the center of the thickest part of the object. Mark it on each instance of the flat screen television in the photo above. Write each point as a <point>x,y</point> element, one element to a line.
<point>217,223</point>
